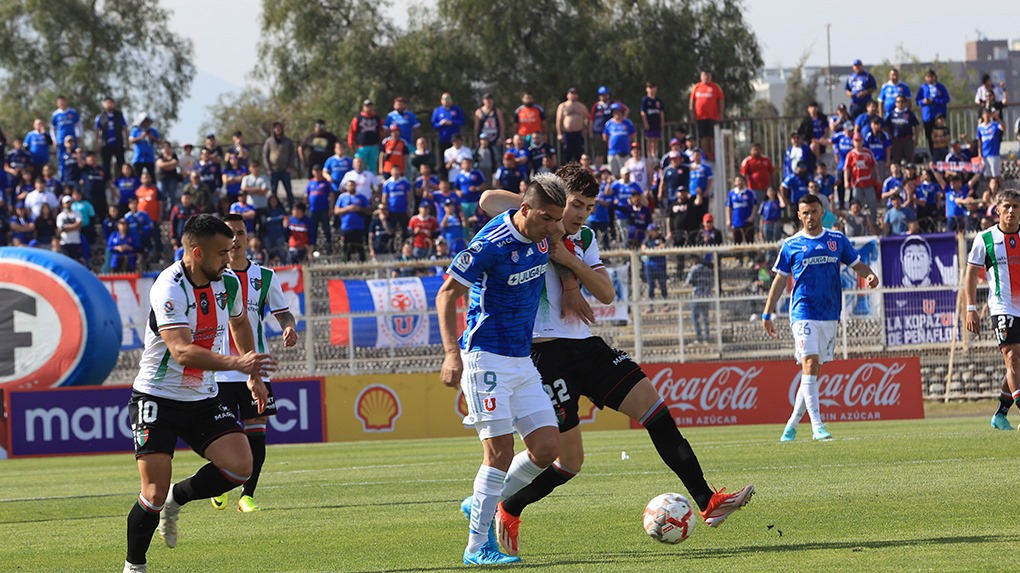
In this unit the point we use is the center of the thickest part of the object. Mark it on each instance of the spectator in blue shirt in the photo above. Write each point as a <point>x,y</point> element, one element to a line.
<point>126,185</point>
<point>879,143</point>
<point>64,121</point>
<point>890,90</point>
<point>274,233</point>
<point>655,266</point>
<point>508,176</point>
<point>902,123</point>
<point>337,165</point>
<point>319,194</point>
<point>990,132</point>
<point>700,178</point>
<point>123,246</point>
<point>601,217</point>
<point>859,87</point>
<point>796,185</point>
<point>397,197</point>
<point>144,137</point>
<point>863,121</point>
<point>38,143</point>
<point>653,114</point>
<point>470,184</point>
<point>897,217</point>
<point>638,219</point>
<point>798,152</point>
<point>771,212</point>
<point>740,204</point>
<point>447,119</point>
<point>111,133</point>
<point>353,209</point>
<point>618,134</point>
<point>402,118</point>
<point>246,211</point>
<point>451,225</point>
<point>933,98</point>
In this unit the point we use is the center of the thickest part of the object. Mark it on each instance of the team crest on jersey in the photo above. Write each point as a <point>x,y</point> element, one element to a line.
<point>489,404</point>
<point>543,246</point>
<point>514,257</point>
<point>221,299</point>
<point>203,302</point>
<point>1012,242</point>
<point>476,247</point>
<point>832,245</point>
<point>256,283</point>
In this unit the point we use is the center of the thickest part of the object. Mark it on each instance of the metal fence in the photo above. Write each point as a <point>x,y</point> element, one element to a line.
<point>656,330</point>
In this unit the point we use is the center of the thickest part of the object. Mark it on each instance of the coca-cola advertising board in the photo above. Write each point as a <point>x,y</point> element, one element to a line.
<point>731,393</point>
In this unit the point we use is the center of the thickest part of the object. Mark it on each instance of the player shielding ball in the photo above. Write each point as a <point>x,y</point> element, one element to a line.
<point>261,293</point>
<point>503,269</point>
<point>997,250</point>
<point>174,394</point>
<point>573,363</point>
<point>813,257</point>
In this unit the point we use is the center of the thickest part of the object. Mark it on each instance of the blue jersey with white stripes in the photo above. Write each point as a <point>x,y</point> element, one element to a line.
<point>814,263</point>
<point>505,272</point>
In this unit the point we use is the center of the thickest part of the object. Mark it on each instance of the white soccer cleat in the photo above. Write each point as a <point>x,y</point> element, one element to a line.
<point>134,567</point>
<point>168,520</point>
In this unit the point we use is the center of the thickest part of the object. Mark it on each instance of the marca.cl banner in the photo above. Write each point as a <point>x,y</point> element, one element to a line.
<point>730,393</point>
<point>131,293</point>
<point>95,420</point>
<point>920,317</point>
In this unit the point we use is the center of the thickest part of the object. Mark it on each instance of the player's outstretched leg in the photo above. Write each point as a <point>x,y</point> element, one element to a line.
<point>999,419</point>
<point>799,409</point>
<point>256,431</point>
<point>465,508</point>
<point>141,524</point>
<point>676,452</point>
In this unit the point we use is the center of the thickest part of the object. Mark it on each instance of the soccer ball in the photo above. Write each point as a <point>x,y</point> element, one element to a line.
<point>669,518</point>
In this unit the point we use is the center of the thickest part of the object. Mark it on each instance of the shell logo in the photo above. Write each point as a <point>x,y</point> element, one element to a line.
<point>586,410</point>
<point>460,404</point>
<point>377,407</point>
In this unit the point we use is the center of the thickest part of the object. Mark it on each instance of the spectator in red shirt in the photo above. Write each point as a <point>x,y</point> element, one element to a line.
<point>394,151</point>
<point>424,228</point>
<point>758,170</point>
<point>148,198</point>
<point>529,117</point>
<point>707,103</point>
<point>859,175</point>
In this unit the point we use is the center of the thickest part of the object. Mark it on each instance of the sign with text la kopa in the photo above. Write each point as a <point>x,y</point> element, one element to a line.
<point>730,393</point>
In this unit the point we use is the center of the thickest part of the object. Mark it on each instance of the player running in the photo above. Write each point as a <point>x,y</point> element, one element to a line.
<point>997,249</point>
<point>260,292</point>
<point>174,394</point>
<point>812,256</point>
<point>503,269</point>
<point>573,363</point>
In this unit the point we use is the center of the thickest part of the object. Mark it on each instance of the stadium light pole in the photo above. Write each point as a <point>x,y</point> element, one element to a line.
<point>828,70</point>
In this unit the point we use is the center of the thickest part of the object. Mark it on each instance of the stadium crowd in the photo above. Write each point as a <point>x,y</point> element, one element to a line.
<point>383,192</point>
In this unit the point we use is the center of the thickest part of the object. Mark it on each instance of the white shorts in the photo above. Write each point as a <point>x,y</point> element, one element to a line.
<point>814,337</point>
<point>993,166</point>
<point>502,391</point>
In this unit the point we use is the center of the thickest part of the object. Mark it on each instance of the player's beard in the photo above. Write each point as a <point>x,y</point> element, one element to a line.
<point>214,273</point>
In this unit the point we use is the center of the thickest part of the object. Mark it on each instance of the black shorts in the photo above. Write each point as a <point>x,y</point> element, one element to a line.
<point>237,398</point>
<point>1007,329</point>
<point>706,127</point>
<point>156,423</point>
<point>571,368</point>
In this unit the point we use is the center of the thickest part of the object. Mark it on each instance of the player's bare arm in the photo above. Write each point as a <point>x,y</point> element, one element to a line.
<point>244,340</point>
<point>289,326</point>
<point>446,310</point>
<point>865,272</point>
<point>775,292</point>
<point>597,282</point>
<point>973,319</point>
<point>572,302</point>
<point>179,343</point>
<point>498,200</point>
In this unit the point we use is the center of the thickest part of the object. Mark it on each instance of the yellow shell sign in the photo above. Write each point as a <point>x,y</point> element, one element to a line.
<point>378,408</point>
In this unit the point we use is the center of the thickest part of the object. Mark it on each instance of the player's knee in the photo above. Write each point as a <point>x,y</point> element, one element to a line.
<point>155,493</point>
<point>571,460</point>
<point>545,452</point>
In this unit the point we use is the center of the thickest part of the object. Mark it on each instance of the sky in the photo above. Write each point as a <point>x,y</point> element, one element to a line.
<point>225,58</point>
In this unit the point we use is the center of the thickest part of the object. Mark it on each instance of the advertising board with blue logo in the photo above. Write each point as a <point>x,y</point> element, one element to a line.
<point>95,420</point>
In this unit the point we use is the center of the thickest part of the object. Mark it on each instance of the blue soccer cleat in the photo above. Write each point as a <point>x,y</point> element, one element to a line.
<point>491,543</point>
<point>821,434</point>
<point>1001,422</point>
<point>488,556</point>
<point>789,434</point>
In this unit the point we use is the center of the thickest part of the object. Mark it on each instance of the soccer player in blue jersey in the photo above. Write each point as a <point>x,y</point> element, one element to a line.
<point>813,257</point>
<point>503,269</point>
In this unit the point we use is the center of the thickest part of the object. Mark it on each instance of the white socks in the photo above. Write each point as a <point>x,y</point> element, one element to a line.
<point>488,484</point>
<point>522,472</point>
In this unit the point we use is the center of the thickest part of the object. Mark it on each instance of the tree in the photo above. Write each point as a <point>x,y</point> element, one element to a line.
<point>251,112</point>
<point>87,50</point>
<point>800,93</point>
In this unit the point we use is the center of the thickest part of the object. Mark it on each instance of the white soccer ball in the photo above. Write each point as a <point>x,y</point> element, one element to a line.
<point>669,518</point>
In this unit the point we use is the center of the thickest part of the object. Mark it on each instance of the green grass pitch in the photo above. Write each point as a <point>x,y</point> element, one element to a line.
<point>929,495</point>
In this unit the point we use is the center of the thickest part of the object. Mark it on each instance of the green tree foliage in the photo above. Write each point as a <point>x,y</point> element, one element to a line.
<point>251,111</point>
<point>800,92</point>
<point>322,58</point>
<point>87,50</point>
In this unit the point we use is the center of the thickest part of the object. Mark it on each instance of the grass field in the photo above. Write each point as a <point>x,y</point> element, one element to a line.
<point>883,496</point>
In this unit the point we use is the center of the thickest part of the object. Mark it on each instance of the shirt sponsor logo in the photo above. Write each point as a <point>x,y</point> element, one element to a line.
<point>525,276</point>
<point>463,261</point>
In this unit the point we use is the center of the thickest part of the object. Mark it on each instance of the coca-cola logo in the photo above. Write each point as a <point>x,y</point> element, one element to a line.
<point>728,388</point>
<point>872,384</point>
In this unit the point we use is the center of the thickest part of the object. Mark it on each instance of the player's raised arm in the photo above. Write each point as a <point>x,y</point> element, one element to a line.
<point>446,310</point>
<point>597,282</point>
<point>496,201</point>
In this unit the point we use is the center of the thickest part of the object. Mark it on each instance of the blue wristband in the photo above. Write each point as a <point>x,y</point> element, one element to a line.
<point>766,316</point>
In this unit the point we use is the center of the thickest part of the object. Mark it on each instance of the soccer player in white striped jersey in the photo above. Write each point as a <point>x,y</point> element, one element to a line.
<point>174,394</point>
<point>997,250</point>
<point>261,293</point>
<point>573,362</point>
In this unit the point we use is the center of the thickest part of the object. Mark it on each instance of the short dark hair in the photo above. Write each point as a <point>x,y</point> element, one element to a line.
<point>809,200</point>
<point>204,226</point>
<point>546,189</point>
<point>578,179</point>
<point>229,217</point>
<point>300,206</point>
